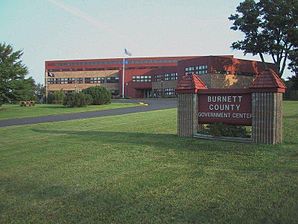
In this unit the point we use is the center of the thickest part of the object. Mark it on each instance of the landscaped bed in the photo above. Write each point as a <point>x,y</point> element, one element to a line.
<point>134,169</point>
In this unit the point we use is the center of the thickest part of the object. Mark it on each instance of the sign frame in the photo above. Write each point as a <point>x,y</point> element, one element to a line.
<point>228,106</point>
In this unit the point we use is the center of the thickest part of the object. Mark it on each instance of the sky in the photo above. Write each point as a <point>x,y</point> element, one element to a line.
<point>82,29</point>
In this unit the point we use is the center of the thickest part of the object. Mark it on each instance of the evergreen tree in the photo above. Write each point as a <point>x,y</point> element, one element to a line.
<point>13,85</point>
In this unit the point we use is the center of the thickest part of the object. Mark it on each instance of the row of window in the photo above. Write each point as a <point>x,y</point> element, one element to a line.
<point>164,92</point>
<point>139,78</point>
<point>171,76</point>
<point>169,91</point>
<point>196,68</point>
<point>114,92</point>
<point>156,78</point>
<point>95,80</point>
<point>197,72</point>
<point>118,62</point>
<point>83,80</point>
<point>65,80</point>
<point>165,77</point>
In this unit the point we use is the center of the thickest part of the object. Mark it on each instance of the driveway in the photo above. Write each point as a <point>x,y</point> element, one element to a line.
<point>153,104</point>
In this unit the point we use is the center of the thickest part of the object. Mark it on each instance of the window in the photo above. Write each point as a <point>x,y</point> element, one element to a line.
<point>97,80</point>
<point>140,78</point>
<point>198,70</point>
<point>169,91</point>
<point>112,79</point>
<point>70,80</point>
<point>171,76</point>
<point>51,81</point>
<point>87,80</point>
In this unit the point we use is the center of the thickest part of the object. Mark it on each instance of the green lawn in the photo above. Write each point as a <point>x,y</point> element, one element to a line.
<point>134,169</point>
<point>8,111</point>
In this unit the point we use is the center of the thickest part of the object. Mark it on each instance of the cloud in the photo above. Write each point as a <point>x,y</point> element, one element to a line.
<point>88,19</point>
<point>78,13</point>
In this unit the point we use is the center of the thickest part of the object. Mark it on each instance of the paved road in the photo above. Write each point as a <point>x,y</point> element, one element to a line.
<point>154,104</point>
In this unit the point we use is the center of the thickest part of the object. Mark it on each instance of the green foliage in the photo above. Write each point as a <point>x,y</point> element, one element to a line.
<point>293,56</point>
<point>23,90</point>
<point>13,85</point>
<point>99,94</point>
<point>269,27</point>
<point>220,129</point>
<point>294,80</point>
<point>40,92</point>
<point>292,88</point>
<point>75,99</point>
<point>56,97</point>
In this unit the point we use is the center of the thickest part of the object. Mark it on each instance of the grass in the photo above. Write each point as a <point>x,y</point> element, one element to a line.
<point>10,111</point>
<point>134,169</point>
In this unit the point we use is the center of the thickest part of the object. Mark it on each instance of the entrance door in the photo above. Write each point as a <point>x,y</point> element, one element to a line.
<point>147,93</point>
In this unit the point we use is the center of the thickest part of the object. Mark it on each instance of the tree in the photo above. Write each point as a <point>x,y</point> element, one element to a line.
<point>293,55</point>
<point>294,81</point>
<point>99,94</point>
<point>13,85</point>
<point>23,89</point>
<point>269,27</point>
<point>40,92</point>
<point>56,97</point>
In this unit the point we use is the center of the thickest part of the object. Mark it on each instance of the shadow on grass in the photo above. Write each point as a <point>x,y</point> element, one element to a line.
<point>51,106</point>
<point>291,116</point>
<point>163,141</point>
<point>50,202</point>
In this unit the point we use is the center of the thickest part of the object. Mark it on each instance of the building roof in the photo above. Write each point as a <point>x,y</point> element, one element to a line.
<point>190,84</point>
<point>268,79</point>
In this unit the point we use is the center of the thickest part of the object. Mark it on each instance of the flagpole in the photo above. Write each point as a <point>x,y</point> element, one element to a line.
<point>126,52</point>
<point>46,85</point>
<point>123,76</point>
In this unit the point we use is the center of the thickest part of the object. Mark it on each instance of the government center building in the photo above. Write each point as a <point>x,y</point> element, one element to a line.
<point>146,77</point>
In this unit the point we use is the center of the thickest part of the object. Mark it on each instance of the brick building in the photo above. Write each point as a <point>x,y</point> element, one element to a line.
<point>149,76</point>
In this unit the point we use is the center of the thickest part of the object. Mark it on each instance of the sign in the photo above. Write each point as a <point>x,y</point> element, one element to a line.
<point>225,106</point>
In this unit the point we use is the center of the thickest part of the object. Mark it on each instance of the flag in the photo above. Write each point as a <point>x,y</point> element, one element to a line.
<point>127,52</point>
<point>51,74</point>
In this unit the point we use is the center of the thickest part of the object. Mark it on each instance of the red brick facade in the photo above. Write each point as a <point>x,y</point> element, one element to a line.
<point>150,76</point>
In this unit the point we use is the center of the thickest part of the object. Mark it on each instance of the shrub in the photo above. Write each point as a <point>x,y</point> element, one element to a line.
<point>220,129</point>
<point>77,99</point>
<point>99,94</point>
<point>56,98</point>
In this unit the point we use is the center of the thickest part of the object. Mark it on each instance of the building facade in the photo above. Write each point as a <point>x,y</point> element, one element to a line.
<point>150,76</point>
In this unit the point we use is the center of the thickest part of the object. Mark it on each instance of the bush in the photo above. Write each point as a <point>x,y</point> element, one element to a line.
<point>77,99</point>
<point>56,98</point>
<point>99,94</point>
<point>220,129</point>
